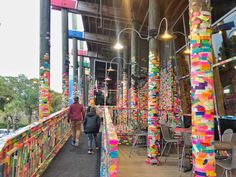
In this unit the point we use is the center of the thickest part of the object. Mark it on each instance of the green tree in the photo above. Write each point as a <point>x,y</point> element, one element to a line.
<point>55,101</point>
<point>19,98</point>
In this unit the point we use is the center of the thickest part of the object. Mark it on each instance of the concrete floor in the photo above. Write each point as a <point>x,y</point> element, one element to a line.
<point>74,161</point>
<point>135,165</point>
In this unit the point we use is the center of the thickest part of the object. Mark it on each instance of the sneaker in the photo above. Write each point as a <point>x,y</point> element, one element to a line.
<point>77,143</point>
<point>97,147</point>
<point>73,143</point>
<point>90,152</point>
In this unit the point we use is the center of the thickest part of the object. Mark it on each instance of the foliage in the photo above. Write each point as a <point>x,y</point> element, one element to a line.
<point>19,99</point>
<point>55,101</point>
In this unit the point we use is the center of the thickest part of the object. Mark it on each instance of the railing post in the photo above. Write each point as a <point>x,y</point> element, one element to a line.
<point>44,79</point>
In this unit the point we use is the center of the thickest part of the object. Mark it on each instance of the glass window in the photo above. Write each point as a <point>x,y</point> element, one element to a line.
<point>224,46</point>
<point>221,7</point>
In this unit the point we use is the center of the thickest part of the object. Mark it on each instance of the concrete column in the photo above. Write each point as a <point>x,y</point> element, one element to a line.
<point>75,57</point>
<point>44,85</point>
<point>125,87</point>
<point>202,88</point>
<point>91,82</point>
<point>81,73</point>
<point>65,58</point>
<point>153,87</point>
<point>134,98</point>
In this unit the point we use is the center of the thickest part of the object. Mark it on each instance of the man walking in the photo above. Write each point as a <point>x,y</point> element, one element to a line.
<point>76,117</point>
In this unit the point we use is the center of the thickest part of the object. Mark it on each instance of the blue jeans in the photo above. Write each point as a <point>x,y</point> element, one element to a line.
<point>90,140</point>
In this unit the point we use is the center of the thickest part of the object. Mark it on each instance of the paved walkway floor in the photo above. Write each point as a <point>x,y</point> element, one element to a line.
<point>74,161</point>
<point>135,166</point>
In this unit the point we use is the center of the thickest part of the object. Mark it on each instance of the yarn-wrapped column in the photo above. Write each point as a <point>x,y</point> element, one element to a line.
<point>202,89</point>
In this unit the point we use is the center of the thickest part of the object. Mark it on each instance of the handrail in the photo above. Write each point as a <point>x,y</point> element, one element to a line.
<point>28,151</point>
<point>109,153</point>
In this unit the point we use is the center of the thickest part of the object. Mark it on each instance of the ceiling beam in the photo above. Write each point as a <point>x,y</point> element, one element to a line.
<point>95,55</point>
<point>98,38</point>
<point>107,11</point>
<point>91,10</point>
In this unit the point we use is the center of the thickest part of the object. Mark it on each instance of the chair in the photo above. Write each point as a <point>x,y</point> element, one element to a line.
<point>228,165</point>
<point>136,138</point>
<point>187,149</point>
<point>168,140</point>
<point>227,135</point>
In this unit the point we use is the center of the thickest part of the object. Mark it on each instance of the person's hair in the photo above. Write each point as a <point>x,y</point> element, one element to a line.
<point>76,98</point>
<point>93,110</point>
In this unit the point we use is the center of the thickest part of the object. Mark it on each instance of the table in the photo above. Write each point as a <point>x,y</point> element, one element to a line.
<point>181,130</point>
<point>222,145</point>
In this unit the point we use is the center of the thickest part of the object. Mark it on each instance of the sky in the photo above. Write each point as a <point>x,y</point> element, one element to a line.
<point>19,41</point>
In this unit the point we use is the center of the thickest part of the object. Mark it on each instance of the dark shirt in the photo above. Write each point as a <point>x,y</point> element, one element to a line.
<point>91,123</point>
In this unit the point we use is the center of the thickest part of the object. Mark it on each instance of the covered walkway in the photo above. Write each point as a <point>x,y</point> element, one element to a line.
<point>74,161</point>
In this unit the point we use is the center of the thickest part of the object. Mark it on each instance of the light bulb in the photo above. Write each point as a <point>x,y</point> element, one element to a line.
<point>187,51</point>
<point>166,36</point>
<point>118,46</point>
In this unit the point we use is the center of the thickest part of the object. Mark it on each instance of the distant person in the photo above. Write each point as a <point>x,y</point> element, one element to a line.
<point>91,128</point>
<point>76,117</point>
<point>99,98</point>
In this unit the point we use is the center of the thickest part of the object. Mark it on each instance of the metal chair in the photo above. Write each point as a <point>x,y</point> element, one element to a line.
<point>168,140</point>
<point>228,165</point>
<point>136,138</point>
<point>227,135</point>
<point>187,149</point>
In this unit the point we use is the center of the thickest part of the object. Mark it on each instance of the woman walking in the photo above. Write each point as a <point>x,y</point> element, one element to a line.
<point>91,128</point>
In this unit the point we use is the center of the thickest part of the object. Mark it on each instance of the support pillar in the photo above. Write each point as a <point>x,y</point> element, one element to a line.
<point>153,144</point>
<point>75,56</point>
<point>65,59</point>
<point>81,71</point>
<point>134,98</point>
<point>44,78</point>
<point>202,89</point>
<point>125,88</point>
<point>91,82</point>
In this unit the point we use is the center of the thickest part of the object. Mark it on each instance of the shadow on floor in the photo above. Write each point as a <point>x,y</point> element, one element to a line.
<point>74,161</point>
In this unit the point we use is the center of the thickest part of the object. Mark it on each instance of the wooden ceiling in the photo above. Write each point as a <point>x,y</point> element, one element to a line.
<point>118,14</point>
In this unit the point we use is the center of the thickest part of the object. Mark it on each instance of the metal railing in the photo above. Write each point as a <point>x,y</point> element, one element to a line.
<point>28,151</point>
<point>109,152</point>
